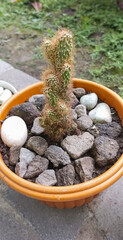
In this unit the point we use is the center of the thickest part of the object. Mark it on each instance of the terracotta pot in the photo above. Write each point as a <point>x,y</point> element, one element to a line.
<point>67,196</point>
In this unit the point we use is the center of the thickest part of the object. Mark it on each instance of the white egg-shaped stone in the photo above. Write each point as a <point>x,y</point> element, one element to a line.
<point>1,90</point>
<point>89,100</point>
<point>5,95</point>
<point>14,131</point>
<point>101,114</point>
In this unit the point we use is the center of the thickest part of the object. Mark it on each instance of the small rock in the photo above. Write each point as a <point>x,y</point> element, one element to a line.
<point>5,95</point>
<point>14,155</point>
<point>112,129</point>
<point>101,114</point>
<point>37,128</point>
<point>20,169</point>
<point>14,131</point>
<point>84,122</point>
<point>74,114</point>
<point>76,146</point>
<point>37,166</point>
<point>57,156</point>
<point>27,111</point>
<point>38,100</point>
<point>47,178</point>
<point>66,176</point>
<point>80,110</point>
<point>74,100</point>
<point>93,130</point>
<point>37,144</point>
<point>26,156</point>
<point>89,100</point>
<point>79,92</point>
<point>105,150</point>
<point>85,167</point>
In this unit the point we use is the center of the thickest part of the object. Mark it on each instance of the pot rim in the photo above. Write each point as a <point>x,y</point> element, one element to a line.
<point>78,191</point>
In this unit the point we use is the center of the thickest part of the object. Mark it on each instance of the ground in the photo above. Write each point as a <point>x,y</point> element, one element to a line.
<point>97,28</point>
<point>15,45</point>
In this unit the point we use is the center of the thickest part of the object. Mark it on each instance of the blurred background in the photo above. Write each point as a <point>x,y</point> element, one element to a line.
<point>97,27</point>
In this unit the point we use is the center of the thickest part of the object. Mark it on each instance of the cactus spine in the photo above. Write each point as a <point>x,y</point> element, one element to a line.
<point>57,116</point>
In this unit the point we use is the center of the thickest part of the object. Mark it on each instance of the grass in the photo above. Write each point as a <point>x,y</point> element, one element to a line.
<point>96,25</point>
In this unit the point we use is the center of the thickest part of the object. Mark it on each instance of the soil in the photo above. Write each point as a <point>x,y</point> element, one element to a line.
<point>20,50</point>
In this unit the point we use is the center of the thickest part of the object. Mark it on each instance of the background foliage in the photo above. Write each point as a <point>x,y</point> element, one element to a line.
<point>96,25</point>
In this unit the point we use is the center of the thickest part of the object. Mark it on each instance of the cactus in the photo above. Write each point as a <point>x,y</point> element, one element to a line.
<point>57,115</point>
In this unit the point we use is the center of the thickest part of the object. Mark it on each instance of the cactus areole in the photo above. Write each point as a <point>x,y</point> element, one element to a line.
<point>57,116</point>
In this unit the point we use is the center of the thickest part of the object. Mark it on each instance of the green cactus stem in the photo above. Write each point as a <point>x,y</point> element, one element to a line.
<point>57,116</point>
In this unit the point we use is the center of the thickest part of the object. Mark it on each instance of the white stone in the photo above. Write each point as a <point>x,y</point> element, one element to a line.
<point>14,131</point>
<point>101,114</point>
<point>89,100</point>
<point>1,90</point>
<point>5,95</point>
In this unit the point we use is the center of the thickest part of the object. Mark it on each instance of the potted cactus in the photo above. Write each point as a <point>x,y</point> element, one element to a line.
<point>57,121</point>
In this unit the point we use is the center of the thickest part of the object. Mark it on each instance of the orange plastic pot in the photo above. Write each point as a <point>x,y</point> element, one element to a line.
<point>67,196</point>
